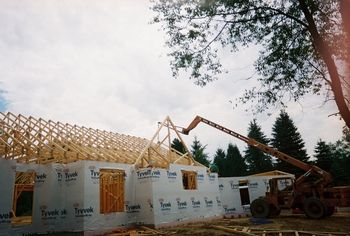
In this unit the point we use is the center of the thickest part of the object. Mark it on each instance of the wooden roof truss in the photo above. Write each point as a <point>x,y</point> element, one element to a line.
<point>31,140</point>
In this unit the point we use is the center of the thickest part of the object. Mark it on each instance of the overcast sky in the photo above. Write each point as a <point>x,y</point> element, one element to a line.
<point>102,65</point>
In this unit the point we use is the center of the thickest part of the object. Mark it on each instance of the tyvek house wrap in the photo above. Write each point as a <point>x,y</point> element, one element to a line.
<point>56,185</point>
<point>173,204</point>
<point>231,197</point>
<point>7,178</point>
<point>67,197</point>
<point>94,221</point>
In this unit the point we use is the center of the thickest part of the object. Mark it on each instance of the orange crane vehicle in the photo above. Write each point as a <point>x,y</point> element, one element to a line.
<point>310,193</point>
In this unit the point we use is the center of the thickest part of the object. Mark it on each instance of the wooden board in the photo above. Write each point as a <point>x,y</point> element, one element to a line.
<point>112,190</point>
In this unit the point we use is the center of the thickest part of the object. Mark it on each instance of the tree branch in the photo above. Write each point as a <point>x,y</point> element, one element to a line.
<point>322,74</point>
<point>288,16</point>
<point>325,53</point>
<point>213,40</point>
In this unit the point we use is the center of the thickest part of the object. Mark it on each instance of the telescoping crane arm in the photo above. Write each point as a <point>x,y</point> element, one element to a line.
<point>310,169</point>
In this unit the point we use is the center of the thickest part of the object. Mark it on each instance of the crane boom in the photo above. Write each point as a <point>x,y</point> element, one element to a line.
<point>310,169</point>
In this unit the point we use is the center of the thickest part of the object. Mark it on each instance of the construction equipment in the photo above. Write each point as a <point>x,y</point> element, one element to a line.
<point>310,193</point>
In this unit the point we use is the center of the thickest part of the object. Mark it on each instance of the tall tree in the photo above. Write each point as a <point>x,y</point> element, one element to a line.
<point>302,43</point>
<point>346,136</point>
<point>178,146</point>
<point>287,139</point>
<point>256,159</point>
<point>341,163</point>
<point>323,155</point>
<point>235,164</point>
<point>219,161</point>
<point>198,152</point>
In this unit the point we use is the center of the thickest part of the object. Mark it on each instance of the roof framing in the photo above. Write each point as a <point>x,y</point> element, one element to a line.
<point>32,140</point>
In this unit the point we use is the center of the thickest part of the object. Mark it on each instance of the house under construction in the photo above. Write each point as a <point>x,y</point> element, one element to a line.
<point>62,177</point>
<point>57,177</point>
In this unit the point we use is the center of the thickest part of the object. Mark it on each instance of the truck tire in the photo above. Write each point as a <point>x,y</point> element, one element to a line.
<point>274,210</point>
<point>260,208</point>
<point>314,208</point>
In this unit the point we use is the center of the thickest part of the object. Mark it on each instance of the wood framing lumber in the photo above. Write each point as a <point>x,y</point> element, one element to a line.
<point>230,230</point>
<point>36,140</point>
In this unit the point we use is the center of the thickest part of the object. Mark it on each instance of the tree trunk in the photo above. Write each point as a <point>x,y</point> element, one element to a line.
<point>345,14</point>
<point>325,53</point>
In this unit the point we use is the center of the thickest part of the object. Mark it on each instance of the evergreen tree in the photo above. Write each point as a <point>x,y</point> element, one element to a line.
<point>341,163</point>
<point>219,161</point>
<point>178,146</point>
<point>235,164</point>
<point>197,150</point>
<point>256,159</point>
<point>323,155</point>
<point>334,158</point>
<point>287,139</point>
<point>346,136</point>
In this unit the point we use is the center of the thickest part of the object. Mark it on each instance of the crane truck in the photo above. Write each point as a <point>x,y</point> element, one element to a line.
<point>310,193</point>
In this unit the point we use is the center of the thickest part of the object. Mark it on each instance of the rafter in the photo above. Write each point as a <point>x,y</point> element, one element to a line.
<point>32,140</point>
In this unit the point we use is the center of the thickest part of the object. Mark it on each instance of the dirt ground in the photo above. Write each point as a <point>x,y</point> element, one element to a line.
<point>338,224</point>
<point>284,225</point>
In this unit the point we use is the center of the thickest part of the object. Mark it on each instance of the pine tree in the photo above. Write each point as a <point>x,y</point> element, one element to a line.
<point>323,155</point>
<point>256,159</point>
<point>219,161</point>
<point>178,146</point>
<point>197,150</point>
<point>287,139</point>
<point>341,163</point>
<point>235,164</point>
<point>334,158</point>
<point>346,136</point>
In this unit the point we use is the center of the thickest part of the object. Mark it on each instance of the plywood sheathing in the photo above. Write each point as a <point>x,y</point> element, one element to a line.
<point>32,140</point>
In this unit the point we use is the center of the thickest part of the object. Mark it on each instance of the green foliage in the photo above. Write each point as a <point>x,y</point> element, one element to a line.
<point>230,163</point>
<point>287,139</point>
<point>289,64</point>
<point>219,161</point>
<point>346,135</point>
<point>340,163</point>
<point>235,164</point>
<point>334,158</point>
<point>178,146</point>
<point>198,152</point>
<point>257,160</point>
<point>323,155</point>
<point>214,168</point>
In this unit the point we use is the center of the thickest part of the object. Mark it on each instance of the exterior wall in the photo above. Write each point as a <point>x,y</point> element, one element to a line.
<point>231,196</point>
<point>7,177</point>
<point>89,210</point>
<point>142,207</point>
<point>66,197</point>
<point>173,204</point>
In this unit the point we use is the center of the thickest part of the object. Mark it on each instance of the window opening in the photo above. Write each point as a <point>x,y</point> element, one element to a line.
<point>285,184</point>
<point>244,192</point>
<point>112,190</point>
<point>189,179</point>
<point>23,197</point>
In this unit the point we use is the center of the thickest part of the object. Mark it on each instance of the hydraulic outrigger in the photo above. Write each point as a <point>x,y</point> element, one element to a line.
<point>310,193</point>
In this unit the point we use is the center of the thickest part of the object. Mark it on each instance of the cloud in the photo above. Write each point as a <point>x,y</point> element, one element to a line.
<point>101,64</point>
